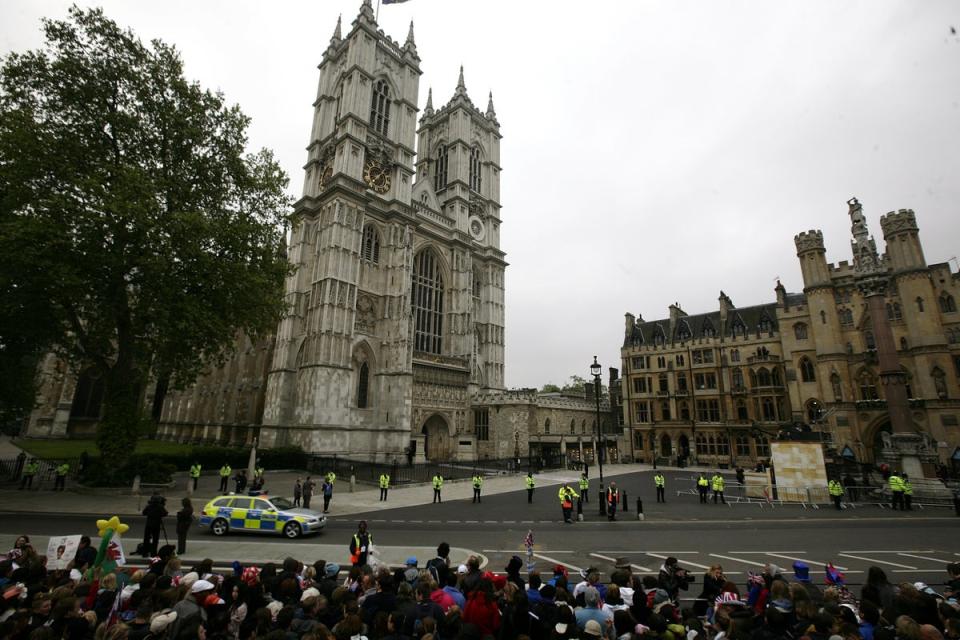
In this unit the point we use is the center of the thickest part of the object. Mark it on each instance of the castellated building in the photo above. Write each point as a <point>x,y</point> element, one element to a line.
<point>396,306</point>
<point>714,387</point>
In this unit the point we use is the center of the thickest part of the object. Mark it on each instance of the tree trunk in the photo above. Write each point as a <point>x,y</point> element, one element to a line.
<point>118,431</point>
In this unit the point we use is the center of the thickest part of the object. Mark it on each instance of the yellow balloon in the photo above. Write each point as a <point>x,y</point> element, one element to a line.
<point>114,523</point>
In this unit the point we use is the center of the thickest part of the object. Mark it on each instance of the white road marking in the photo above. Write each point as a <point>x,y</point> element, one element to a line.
<point>663,557</point>
<point>672,553</point>
<point>899,551</point>
<point>555,561</point>
<point>472,521</point>
<point>755,563</point>
<point>416,521</point>
<point>453,522</point>
<point>807,560</point>
<point>910,555</point>
<point>433,521</point>
<point>526,522</point>
<point>892,564</point>
<point>609,559</point>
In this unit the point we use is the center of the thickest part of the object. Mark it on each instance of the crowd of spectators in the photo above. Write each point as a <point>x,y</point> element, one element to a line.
<point>437,600</point>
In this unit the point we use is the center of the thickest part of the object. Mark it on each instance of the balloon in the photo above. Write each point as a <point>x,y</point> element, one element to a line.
<point>112,524</point>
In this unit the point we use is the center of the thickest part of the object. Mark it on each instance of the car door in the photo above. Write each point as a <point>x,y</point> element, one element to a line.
<point>240,515</point>
<point>265,513</point>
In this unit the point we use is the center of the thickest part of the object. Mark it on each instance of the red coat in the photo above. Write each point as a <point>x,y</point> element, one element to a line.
<point>482,613</point>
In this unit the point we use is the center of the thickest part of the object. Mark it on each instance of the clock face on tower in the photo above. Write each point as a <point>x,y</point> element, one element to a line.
<point>376,176</point>
<point>477,230</point>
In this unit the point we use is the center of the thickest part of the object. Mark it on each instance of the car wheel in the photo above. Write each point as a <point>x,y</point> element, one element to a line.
<point>291,530</point>
<point>219,527</point>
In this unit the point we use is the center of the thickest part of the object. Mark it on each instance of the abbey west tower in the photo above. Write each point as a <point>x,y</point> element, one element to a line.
<point>396,305</point>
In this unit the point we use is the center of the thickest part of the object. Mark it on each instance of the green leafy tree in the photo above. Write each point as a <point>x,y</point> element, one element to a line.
<point>138,236</point>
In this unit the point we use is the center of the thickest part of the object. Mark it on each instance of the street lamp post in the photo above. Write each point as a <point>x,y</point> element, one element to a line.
<point>595,369</point>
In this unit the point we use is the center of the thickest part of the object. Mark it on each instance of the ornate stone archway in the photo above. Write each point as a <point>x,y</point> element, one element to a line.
<point>436,438</point>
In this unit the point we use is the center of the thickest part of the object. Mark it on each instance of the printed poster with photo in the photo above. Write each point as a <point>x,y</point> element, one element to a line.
<point>61,551</point>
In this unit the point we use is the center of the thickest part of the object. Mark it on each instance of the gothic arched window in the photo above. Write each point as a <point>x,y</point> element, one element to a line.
<point>735,355</point>
<point>440,173</point>
<point>868,386</point>
<point>807,372</point>
<point>380,107</point>
<point>763,377</point>
<point>573,425</point>
<point>738,328</point>
<point>546,427</point>
<point>363,386</point>
<point>371,244</point>
<point>684,410</point>
<point>919,304</point>
<point>763,446</point>
<point>427,294</point>
<point>742,414</point>
<point>823,317</point>
<point>683,331</point>
<point>800,331</point>
<point>947,303</point>
<point>88,397</point>
<point>475,169</point>
<point>737,378</point>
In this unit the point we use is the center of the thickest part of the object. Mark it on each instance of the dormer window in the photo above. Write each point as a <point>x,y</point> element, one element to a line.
<point>380,107</point>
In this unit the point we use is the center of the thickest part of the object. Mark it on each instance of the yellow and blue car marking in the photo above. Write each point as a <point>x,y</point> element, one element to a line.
<point>242,514</point>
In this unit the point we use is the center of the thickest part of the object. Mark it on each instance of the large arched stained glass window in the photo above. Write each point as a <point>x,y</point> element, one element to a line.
<point>427,297</point>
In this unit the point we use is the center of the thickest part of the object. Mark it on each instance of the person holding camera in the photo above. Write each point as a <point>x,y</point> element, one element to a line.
<point>673,578</point>
<point>155,511</point>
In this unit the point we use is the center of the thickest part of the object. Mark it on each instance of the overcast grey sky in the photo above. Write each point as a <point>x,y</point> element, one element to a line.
<point>653,151</point>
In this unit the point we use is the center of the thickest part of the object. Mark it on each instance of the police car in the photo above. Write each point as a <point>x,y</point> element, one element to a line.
<point>260,513</point>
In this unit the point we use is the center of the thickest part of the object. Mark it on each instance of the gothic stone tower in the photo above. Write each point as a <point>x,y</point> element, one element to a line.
<point>396,304</point>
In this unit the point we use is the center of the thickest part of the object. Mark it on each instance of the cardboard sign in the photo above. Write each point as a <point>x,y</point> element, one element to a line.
<point>61,550</point>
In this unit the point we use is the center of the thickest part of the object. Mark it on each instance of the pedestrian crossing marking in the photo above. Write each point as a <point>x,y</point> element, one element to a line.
<point>692,564</point>
<point>555,561</point>
<point>609,559</point>
<point>808,561</point>
<point>910,555</point>
<point>892,564</point>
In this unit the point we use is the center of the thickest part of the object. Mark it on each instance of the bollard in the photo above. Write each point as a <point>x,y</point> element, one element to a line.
<point>625,503</point>
<point>353,483</point>
<point>189,486</point>
<point>579,509</point>
<point>136,485</point>
<point>603,503</point>
<point>639,509</point>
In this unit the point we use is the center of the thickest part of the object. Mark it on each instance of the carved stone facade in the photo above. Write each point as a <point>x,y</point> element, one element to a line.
<point>816,352</point>
<point>546,428</point>
<point>396,305</point>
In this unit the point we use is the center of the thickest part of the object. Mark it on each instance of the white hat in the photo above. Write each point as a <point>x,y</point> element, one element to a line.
<point>274,608</point>
<point>75,575</point>
<point>462,569</point>
<point>201,585</point>
<point>189,578</point>
<point>312,592</point>
<point>160,621</point>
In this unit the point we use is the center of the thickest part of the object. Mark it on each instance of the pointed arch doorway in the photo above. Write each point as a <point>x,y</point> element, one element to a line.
<point>436,438</point>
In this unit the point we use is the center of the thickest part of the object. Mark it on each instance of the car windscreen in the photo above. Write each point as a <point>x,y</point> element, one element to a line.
<point>281,503</point>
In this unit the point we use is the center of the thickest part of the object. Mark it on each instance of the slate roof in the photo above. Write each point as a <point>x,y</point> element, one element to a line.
<point>692,327</point>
